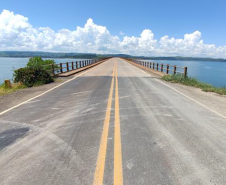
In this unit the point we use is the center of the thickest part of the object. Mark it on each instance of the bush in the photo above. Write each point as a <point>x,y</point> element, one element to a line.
<point>38,62</point>
<point>37,72</point>
<point>32,76</point>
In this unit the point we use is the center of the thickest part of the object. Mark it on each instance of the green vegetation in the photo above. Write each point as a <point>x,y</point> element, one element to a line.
<point>38,62</point>
<point>5,90</point>
<point>178,78</point>
<point>35,73</point>
<point>32,77</point>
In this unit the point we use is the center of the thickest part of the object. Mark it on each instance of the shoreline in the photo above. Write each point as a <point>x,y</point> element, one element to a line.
<point>193,82</point>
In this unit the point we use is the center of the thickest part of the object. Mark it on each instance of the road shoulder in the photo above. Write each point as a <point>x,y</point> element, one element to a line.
<point>9,100</point>
<point>211,100</point>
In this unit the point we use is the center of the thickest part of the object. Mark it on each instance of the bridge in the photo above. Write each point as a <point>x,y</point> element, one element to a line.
<point>114,123</point>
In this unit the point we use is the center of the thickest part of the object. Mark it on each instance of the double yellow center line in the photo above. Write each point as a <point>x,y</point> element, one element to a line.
<point>118,173</point>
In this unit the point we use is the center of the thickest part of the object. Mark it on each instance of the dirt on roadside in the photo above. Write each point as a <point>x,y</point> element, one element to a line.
<point>9,100</point>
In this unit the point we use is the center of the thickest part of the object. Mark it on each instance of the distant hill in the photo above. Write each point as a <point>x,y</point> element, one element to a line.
<point>94,55</point>
<point>26,54</point>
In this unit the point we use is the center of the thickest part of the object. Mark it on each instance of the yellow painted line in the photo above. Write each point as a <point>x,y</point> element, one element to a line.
<point>99,172</point>
<point>118,173</point>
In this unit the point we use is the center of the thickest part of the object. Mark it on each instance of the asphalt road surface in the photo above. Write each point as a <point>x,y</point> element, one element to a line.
<point>113,124</point>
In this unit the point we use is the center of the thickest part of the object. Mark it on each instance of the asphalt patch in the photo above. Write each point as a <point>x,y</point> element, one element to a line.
<point>10,136</point>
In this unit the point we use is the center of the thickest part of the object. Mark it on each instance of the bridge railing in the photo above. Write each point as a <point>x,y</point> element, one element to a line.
<point>69,66</point>
<point>164,68</point>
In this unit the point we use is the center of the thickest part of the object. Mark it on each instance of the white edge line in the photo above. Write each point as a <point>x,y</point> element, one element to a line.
<point>47,91</point>
<point>181,93</point>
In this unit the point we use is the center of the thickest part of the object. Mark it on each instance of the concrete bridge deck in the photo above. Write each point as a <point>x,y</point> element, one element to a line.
<point>114,124</point>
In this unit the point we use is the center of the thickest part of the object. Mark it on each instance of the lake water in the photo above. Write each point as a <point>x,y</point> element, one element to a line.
<point>210,72</point>
<point>7,65</point>
<point>206,71</point>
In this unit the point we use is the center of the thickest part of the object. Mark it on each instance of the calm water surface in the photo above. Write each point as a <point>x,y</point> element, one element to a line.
<point>206,71</point>
<point>210,72</point>
<point>7,65</point>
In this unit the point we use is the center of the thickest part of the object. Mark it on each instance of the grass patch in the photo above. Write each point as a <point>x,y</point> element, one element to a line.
<point>15,86</point>
<point>189,81</point>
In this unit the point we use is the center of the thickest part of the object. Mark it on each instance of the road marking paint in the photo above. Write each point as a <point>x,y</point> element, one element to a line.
<point>219,114</point>
<point>99,172</point>
<point>48,91</point>
<point>118,173</point>
<point>192,99</point>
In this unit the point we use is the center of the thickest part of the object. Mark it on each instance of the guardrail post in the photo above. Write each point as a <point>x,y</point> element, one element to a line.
<point>153,65</point>
<point>185,72</point>
<point>175,69</point>
<point>161,67</point>
<point>67,66</point>
<point>157,66</point>
<point>72,64</point>
<point>167,70</point>
<point>76,64</point>
<point>61,67</point>
<point>150,64</point>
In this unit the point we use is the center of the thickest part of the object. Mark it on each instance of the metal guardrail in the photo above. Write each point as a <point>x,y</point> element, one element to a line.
<point>164,68</point>
<point>69,66</point>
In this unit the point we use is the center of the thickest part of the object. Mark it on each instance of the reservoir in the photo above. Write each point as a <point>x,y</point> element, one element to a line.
<point>7,65</point>
<point>211,72</point>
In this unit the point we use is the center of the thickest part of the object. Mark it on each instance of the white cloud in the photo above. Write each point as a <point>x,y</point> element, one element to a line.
<point>121,33</point>
<point>16,33</point>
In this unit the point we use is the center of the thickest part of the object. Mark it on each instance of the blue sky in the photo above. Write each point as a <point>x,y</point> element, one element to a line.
<point>173,18</point>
